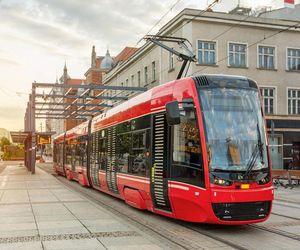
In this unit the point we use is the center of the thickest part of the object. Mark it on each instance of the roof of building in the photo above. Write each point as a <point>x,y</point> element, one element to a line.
<point>126,53</point>
<point>18,137</point>
<point>75,81</point>
<point>283,13</point>
<point>214,17</point>
<point>107,62</point>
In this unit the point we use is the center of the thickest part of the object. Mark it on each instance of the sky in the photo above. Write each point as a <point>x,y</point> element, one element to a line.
<point>37,37</point>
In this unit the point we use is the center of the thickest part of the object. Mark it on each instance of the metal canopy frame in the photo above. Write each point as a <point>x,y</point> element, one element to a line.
<point>73,110</point>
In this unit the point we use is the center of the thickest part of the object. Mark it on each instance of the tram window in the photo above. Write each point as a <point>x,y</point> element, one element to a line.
<point>123,152</point>
<point>73,154</point>
<point>124,127</point>
<point>187,162</point>
<point>55,153</point>
<point>68,154</point>
<point>61,153</point>
<point>140,153</point>
<point>140,123</point>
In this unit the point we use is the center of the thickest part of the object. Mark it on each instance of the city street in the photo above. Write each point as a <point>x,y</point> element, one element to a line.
<point>168,124</point>
<point>49,212</point>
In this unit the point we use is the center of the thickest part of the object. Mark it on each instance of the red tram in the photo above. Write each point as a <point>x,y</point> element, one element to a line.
<point>194,149</point>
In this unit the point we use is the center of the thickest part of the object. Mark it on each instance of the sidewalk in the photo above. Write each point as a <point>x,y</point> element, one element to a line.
<point>38,212</point>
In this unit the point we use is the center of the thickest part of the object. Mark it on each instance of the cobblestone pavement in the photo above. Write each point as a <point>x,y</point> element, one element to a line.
<point>39,212</point>
<point>60,222</point>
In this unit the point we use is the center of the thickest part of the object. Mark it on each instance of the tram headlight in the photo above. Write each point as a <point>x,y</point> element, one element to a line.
<point>219,181</point>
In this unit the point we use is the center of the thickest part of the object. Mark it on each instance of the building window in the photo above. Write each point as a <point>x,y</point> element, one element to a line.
<point>237,55</point>
<point>294,101</point>
<point>206,52</point>
<point>171,61</point>
<point>146,75</point>
<point>126,83</point>
<point>268,96</point>
<point>266,57</point>
<point>132,80</point>
<point>293,59</point>
<point>139,78</point>
<point>153,71</point>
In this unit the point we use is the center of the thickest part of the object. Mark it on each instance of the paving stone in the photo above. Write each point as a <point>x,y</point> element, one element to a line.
<point>22,245</point>
<point>86,244</point>
<point>50,209</point>
<point>128,243</point>
<point>66,195</point>
<point>60,227</point>
<point>15,210</point>
<point>41,195</point>
<point>105,225</point>
<point>38,212</point>
<point>14,196</point>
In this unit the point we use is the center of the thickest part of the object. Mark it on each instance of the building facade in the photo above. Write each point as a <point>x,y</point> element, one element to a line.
<point>265,50</point>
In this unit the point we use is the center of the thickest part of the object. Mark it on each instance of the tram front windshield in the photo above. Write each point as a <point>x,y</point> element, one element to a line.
<point>234,130</point>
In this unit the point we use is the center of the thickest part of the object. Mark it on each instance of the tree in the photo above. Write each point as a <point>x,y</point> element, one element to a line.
<point>4,141</point>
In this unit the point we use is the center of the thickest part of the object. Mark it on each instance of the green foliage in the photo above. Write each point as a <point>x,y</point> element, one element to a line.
<point>4,141</point>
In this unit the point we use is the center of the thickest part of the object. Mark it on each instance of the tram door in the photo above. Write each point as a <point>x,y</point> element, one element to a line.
<point>159,167</point>
<point>111,169</point>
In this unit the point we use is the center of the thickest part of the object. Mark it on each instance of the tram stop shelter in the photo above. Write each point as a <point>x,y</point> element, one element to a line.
<point>43,105</point>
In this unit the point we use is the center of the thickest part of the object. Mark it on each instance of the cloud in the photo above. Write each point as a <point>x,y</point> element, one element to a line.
<point>9,62</point>
<point>76,23</point>
<point>12,117</point>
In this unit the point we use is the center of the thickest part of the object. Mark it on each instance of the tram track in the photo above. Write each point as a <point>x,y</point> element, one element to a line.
<point>133,217</point>
<point>145,221</point>
<point>277,232</point>
<point>149,226</point>
<point>214,236</point>
<point>128,217</point>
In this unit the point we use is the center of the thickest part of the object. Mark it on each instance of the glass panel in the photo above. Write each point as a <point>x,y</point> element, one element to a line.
<point>200,45</point>
<point>231,59</point>
<point>206,57</point>
<point>200,54</point>
<point>140,153</point>
<point>103,153</point>
<point>187,163</point>
<point>140,123</point>
<point>276,150</point>
<point>234,129</point>
<point>212,58</point>
<point>260,61</point>
<point>123,145</point>
<point>271,92</point>
<point>294,107</point>
<point>243,60</point>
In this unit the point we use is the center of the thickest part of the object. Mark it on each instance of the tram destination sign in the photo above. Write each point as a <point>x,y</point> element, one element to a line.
<point>43,139</point>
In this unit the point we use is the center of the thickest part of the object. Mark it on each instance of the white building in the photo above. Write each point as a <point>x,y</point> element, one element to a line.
<point>266,50</point>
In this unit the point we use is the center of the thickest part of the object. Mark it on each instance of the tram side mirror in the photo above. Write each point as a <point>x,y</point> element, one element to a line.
<point>173,113</point>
